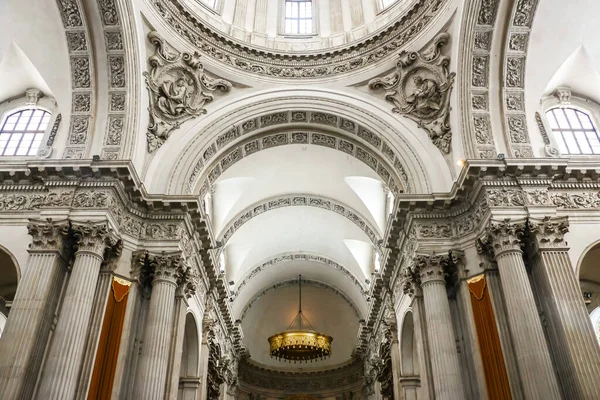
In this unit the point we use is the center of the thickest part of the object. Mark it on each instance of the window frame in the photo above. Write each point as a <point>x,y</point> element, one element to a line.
<point>22,103</point>
<point>15,131</point>
<point>563,98</point>
<point>315,22</point>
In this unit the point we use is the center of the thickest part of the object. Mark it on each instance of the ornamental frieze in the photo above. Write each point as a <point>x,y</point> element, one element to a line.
<point>261,61</point>
<point>178,90</point>
<point>420,90</point>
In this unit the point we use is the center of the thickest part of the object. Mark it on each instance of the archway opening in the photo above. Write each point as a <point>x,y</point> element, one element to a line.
<point>8,286</point>
<point>189,379</point>
<point>410,378</point>
<point>589,280</point>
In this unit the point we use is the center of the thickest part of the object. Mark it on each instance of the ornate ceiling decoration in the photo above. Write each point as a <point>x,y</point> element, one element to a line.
<point>388,166</point>
<point>300,200</point>
<point>420,90</point>
<point>283,258</point>
<point>178,90</point>
<point>309,65</point>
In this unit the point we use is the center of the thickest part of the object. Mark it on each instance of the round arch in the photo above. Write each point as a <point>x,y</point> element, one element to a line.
<point>173,164</point>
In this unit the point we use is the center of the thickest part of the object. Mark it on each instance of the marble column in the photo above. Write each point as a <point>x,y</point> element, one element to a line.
<point>445,365</point>
<point>64,360</point>
<point>152,371</point>
<point>571,336</point>
<point>188,282</point>
<point>531,350</point>
<point>33,310</point>
<point>510,362</point>
<point>412,286</point>
<point>93,337</point>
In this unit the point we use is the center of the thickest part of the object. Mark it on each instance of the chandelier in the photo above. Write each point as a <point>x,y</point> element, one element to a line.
<point>300,342</point>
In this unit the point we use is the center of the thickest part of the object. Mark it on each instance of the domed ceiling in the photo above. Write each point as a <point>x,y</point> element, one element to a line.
<point>342,36</point>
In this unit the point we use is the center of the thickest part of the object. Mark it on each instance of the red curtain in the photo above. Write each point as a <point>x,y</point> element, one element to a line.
<point>494,369</point>
<point>110,338</point>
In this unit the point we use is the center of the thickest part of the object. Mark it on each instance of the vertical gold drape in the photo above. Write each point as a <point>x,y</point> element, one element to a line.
<point>110,338</point>
<point>494,369</point>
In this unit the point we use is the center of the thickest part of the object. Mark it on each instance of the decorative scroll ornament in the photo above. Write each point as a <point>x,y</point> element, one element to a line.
<point>420,90</point>
<point>178,89</point>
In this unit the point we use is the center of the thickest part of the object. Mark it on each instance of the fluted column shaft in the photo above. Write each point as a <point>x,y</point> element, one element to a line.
<point>572,338</point>
<point>494,287</point>
<point>32,313</point>
<point>533,357</point>
<point>153,367</point>
<point>63,364</point>
<point>93,337</point>
<point>445,364</point>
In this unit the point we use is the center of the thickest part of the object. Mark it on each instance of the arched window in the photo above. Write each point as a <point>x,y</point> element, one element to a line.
<point>387,3</point>
<point>573,131</point>
<point>21,132</point>
<point>298,17</point>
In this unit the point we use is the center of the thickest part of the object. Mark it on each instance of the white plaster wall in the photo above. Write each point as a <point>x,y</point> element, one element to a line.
<point>16,240</point>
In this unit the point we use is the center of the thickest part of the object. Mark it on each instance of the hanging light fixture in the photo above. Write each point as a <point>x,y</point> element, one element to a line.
<point>300,342</point>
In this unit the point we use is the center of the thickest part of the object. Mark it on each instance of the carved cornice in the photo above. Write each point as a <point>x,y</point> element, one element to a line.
<point>420,90</point>
<point>308,65</point>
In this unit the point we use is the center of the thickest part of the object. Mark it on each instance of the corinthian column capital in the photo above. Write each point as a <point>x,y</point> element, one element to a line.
<point>431,267</point>
<point>505,235</point>
<point>93,237</point>
<point>549,232</point>
<point>48,235</point>
<point>165,266</point>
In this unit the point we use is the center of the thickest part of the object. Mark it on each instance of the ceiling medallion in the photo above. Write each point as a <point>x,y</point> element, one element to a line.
<point>300,342</point>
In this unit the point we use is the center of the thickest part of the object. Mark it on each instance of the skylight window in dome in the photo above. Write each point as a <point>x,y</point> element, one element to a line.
<point>298,17</point>
<point>574,131</point>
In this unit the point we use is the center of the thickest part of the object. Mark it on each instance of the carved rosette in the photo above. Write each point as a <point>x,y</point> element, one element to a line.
<point>165,267</point>
<point>178,90</point>
<point>93,237</point>
<point>431,268</point>
<point>548,233</point>
<point>420,90</point>
<point>48,235</point>
<point>504,236</point>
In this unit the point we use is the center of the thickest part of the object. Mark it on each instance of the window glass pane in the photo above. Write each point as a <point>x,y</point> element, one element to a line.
<point>585,120</point>
<point>571,143</point>
<point>583,143</point>
<point>573,120</point>
<point>288,10</point>
<point>562,120</point>
<point>551,119</point>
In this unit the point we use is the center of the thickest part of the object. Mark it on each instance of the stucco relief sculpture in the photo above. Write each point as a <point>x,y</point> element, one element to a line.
<point>179,89</point>
<point>420,90</point>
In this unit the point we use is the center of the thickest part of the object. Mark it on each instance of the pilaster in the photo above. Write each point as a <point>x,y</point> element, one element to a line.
<point>571,337</point>
<point>64,360</point>
<point>445,366</point>
<point>533,358</point>
<point>151,377</point>
<point>26,333</point>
